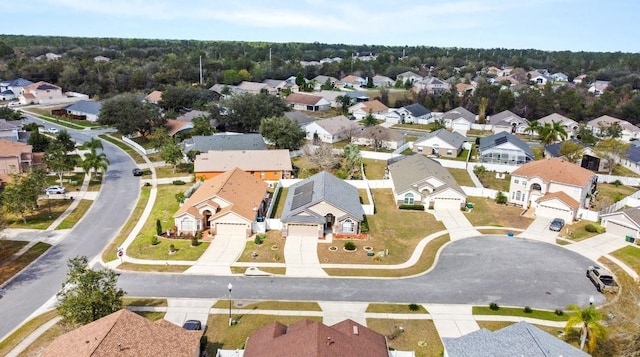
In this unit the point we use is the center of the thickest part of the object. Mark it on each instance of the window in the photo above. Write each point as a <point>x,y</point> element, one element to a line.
<point>449,152</point>
<point>516,181</point>
<point>419,148</point>
<point>408,199</point>
<point>519,196</point>
<point>348,226</point>
<point>261,174</point>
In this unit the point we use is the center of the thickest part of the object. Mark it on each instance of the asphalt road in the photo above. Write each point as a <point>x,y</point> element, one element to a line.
<point>509,271</point>
<point>31,289</point>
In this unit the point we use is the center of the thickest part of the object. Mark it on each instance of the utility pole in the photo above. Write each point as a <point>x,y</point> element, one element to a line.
<point>269,57</point>
<point>201,80</point>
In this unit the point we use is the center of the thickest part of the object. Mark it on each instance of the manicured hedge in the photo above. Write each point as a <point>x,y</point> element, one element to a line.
<point>412,207</point>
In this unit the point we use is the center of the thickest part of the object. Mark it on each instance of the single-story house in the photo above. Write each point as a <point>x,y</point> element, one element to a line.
<point>440,143</point>
<point>465,89</point>
<point>154,97</point>
<point>378,137</point>
<point>321,80</point>
<point>554,187</point>
<point>321,203</point>
<point>458,119</point>
<point>353,81</point>
<point>519,339</point>
<point>16,85</point>
<point>418,179</point>
<point>504,148</point>
<point>508,121</point>
<point>408,77</point>
<point>622,223</point>
<point>227,204</point>
<point>383,81</point>
<point>7,95</point>
<point>222,91</point>
<point>224,141</point>
<point>374,107</point>
<point>174,126</point>
<point>590,159</point>
<point>560,77</point>
<point>569,125</point>
<point>598,87</point>
<point>413,113</point>
<point>9,129</point>
<point>85,108</point>
<point>599,125</point>
<point>125,333</point>
<point>308,102</point>
<point>539,77</point>
<point>277,85</point>
<point>299,117</point>
<point>264,164</point>
<point>631,158</point>
<point>15,157</point>
<point>255,87</point>
<point>331,130</point>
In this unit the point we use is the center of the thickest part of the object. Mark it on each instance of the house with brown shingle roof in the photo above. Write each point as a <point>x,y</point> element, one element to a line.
<point>127,334</point>
<point>554,187</point>
<point>227,204</point>
<point>264,164</point>
<point>378,137</point>
<point>331,130</point>
<point>373,107</point>
<point>308,102</point>
<point>15,157</point>
<point>154,97</point>
<point>41,93</point>
<point>314,339</point>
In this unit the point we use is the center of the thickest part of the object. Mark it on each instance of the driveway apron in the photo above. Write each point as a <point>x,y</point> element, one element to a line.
<point>452,320</point>
<point>456,223</point>
<point>301,257</point>
<point>539,230</point>
<point>181,310</point>
<point>217,259</point>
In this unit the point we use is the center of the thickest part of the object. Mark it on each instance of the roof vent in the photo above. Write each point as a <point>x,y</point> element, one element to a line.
<point>355,330</point>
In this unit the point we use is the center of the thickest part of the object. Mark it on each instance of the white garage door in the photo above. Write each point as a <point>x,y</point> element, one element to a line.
<point>619,230</point>
<point>447,203</point>
<point>460,126</point>
<point>302,230</point>
<point>553,212</point>
<point>231,229</point>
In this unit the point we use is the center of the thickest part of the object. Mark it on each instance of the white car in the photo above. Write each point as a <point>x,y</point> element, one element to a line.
<point>53,130</point>
<point>51,190</point>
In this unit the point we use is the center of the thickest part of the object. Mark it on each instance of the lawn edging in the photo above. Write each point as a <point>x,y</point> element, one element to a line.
<point>513,313</point>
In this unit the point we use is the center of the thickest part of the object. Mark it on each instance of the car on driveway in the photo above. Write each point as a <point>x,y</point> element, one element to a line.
<point>556,225</point>
<point>137,172</point>
<point>193,325</point>
<point>602,279</point>
<point>52,190</point>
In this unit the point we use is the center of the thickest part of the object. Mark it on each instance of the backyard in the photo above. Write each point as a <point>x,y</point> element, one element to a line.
<point>608,194</point>
<point>461,176</point>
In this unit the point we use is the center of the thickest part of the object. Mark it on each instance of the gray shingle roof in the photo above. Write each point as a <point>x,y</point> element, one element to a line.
<point>416,168</point>
<point>519,339</point>
<point>85,106</point>
<point>506,115</point>
<point>417,110</point>
<point>318,188</point>
<point>501,138</point>
<point>632,213</point>
<point>219,142</point>
<point>459,112</point>
<point>6,125</point>
<point>20,82</point>
<point>554,149</point>
<point>455,139</point>
<point>301,118</point>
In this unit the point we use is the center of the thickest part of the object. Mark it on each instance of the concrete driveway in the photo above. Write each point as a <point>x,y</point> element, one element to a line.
<point>456,223</point>
<point>539,230</point>
<point>181,310</point>
<point>217,259</point>
<point>301,257</point>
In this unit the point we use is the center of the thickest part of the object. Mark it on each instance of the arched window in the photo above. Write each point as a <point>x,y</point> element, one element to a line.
<point>408,199</point>
<point>187,224</point>
<point>348,226</point>
<point>536,187</point>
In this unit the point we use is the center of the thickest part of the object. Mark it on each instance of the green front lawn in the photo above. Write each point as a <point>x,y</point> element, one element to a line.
<point>40,218</point>
<point>577,232</point>
<point>419,336</point>
<point>515,311</point>
<point>9,270</point>
<point>486,212</point>
<point>110,252</point>
<point>9,248</point>
<point>182,170</point>
<point>630,255</point>
<point>489,180</point>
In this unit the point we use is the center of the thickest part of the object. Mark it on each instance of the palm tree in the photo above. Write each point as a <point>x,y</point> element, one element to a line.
<point>94,161</point>
<point>551,132</point>
<point>353,158</point>
<point>94,144</point>
<point>588,320</point>
<point>532,127</point>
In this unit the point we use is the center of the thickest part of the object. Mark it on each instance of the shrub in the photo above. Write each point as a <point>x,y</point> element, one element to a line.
<point>172,248</point>
<point>199,235</point>
<point>594,228</point>
<point>204,341</point>
<point>194,241</point>
<point>259,238</point>
<point>527,310</point>
<point>349,245</point>
<point>494,306</point>
<point>414,307</point>
<point>559,312</point>
<point>501,198</point>
<point>178,182</point>
<point>147,184</point>
<point>617,183</point>
<point>155,240</point>
<point>158,227</point>
<point>412,207</point>
<point>364,225</point>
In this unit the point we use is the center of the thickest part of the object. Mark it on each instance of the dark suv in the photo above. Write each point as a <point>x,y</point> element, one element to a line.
<point>137,172</point>
<point>193,325</point>
<point>557,224</point>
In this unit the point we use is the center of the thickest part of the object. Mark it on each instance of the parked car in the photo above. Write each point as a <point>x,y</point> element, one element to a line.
<point>556,225</point>
<point>193,325</point>
<point>53,130</point>
<point>137,172</point>
<point>602,279</point>
<point>52,190</point>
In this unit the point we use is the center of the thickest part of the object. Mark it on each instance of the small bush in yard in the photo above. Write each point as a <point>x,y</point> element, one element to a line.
<point>259,238</point>
<point>154,240</point>
<point>178,182</point>
<point>559,312</point>
<point>158,227</point>
<point>501,198</point>
<point>349,245</point>
<point>194,241</point>
<point>594,228</point>
<point>494,306</point>
<point>527,310</point>
<point>412,207</point>
<point>414,307</point>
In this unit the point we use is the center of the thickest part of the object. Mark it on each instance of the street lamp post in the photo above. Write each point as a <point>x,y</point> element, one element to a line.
<point>230,287</point>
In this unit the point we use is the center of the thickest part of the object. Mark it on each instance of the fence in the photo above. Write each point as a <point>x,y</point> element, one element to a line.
<point>588,215</point>
<point>627,181</point>
<point>479,192</point>
<point>627,201</point>
<point>138,147</point>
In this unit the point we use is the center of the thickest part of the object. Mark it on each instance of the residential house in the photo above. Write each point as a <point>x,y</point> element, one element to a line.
<point>84,109</point>
<point>560,77</point>
<point>255,87</point>
<point>465,89</point>
<point>321,203</point>
<point>580,79</point>
<point>353,81</point>
<point>458,119</point>
<point>504,148</point>
<point>224,141</point>
<point>408,77</point>
<point>508,121</point>
<point>412,113</point>
<point>431,85</point>
<point>519,339</point>
<point>333,96</point>
<point>631,159</point>
<point>227,204</point>
<point>9,130</point>
<point>125,333</point>
<point>308,102</point>
<point>7,95</point>
<point>299,117</point>
<point>554,188</point>
<point>378,137</point>
<point>539,77</point>
<point>331,130</point>
<point>590,159</point>
<point>625,223</point>
<point>188,116</point>
<point>16,86</point>
<point>570,126</point>
<point>101,59</point>
<point>264,164</point>
<point>382,81</point>
<point>315,339</point>
<point>374,107</point>
<point>600,125</point>
<point>598,87</point>
<point>175,126</point>
<point>16,157</point>
<point>49,56</point>
<point>321,80</point>
<point>440,143</point>
<point>154,97</point>
<point>41,93</point>
<point>277,85</point>
<point>419,180</point>
<point>222,91</point>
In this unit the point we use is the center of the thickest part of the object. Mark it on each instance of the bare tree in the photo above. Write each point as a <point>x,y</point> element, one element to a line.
<point>321,156</point>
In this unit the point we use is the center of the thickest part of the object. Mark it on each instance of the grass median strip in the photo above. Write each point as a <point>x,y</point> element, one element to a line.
<point>128,149</point>
<point>25,330</point>
<point>519,312</point>
<point>110,253</point>
<point>135,301</point>
<point>76,215</point>
<point>397,308</point>
<point>9,270</point>
<point>269,305</point>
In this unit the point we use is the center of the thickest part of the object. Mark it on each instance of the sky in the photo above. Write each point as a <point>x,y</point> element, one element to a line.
<point>556,25</point>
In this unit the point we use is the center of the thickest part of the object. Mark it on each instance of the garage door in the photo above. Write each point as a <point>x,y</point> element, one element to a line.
<point>231,229</point>
<point>553,212</point>
<point>447,203</point>
<point>302,230</point>
<point>619,230</point>
<point>460,126</point>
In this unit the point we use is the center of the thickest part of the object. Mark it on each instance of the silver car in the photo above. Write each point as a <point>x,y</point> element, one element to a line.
<point>556,225</point>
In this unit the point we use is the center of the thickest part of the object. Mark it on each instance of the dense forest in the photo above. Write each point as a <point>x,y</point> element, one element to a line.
<point>142,65</point>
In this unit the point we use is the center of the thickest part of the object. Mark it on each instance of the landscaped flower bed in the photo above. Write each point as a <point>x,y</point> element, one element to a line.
<point>361,236</point>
